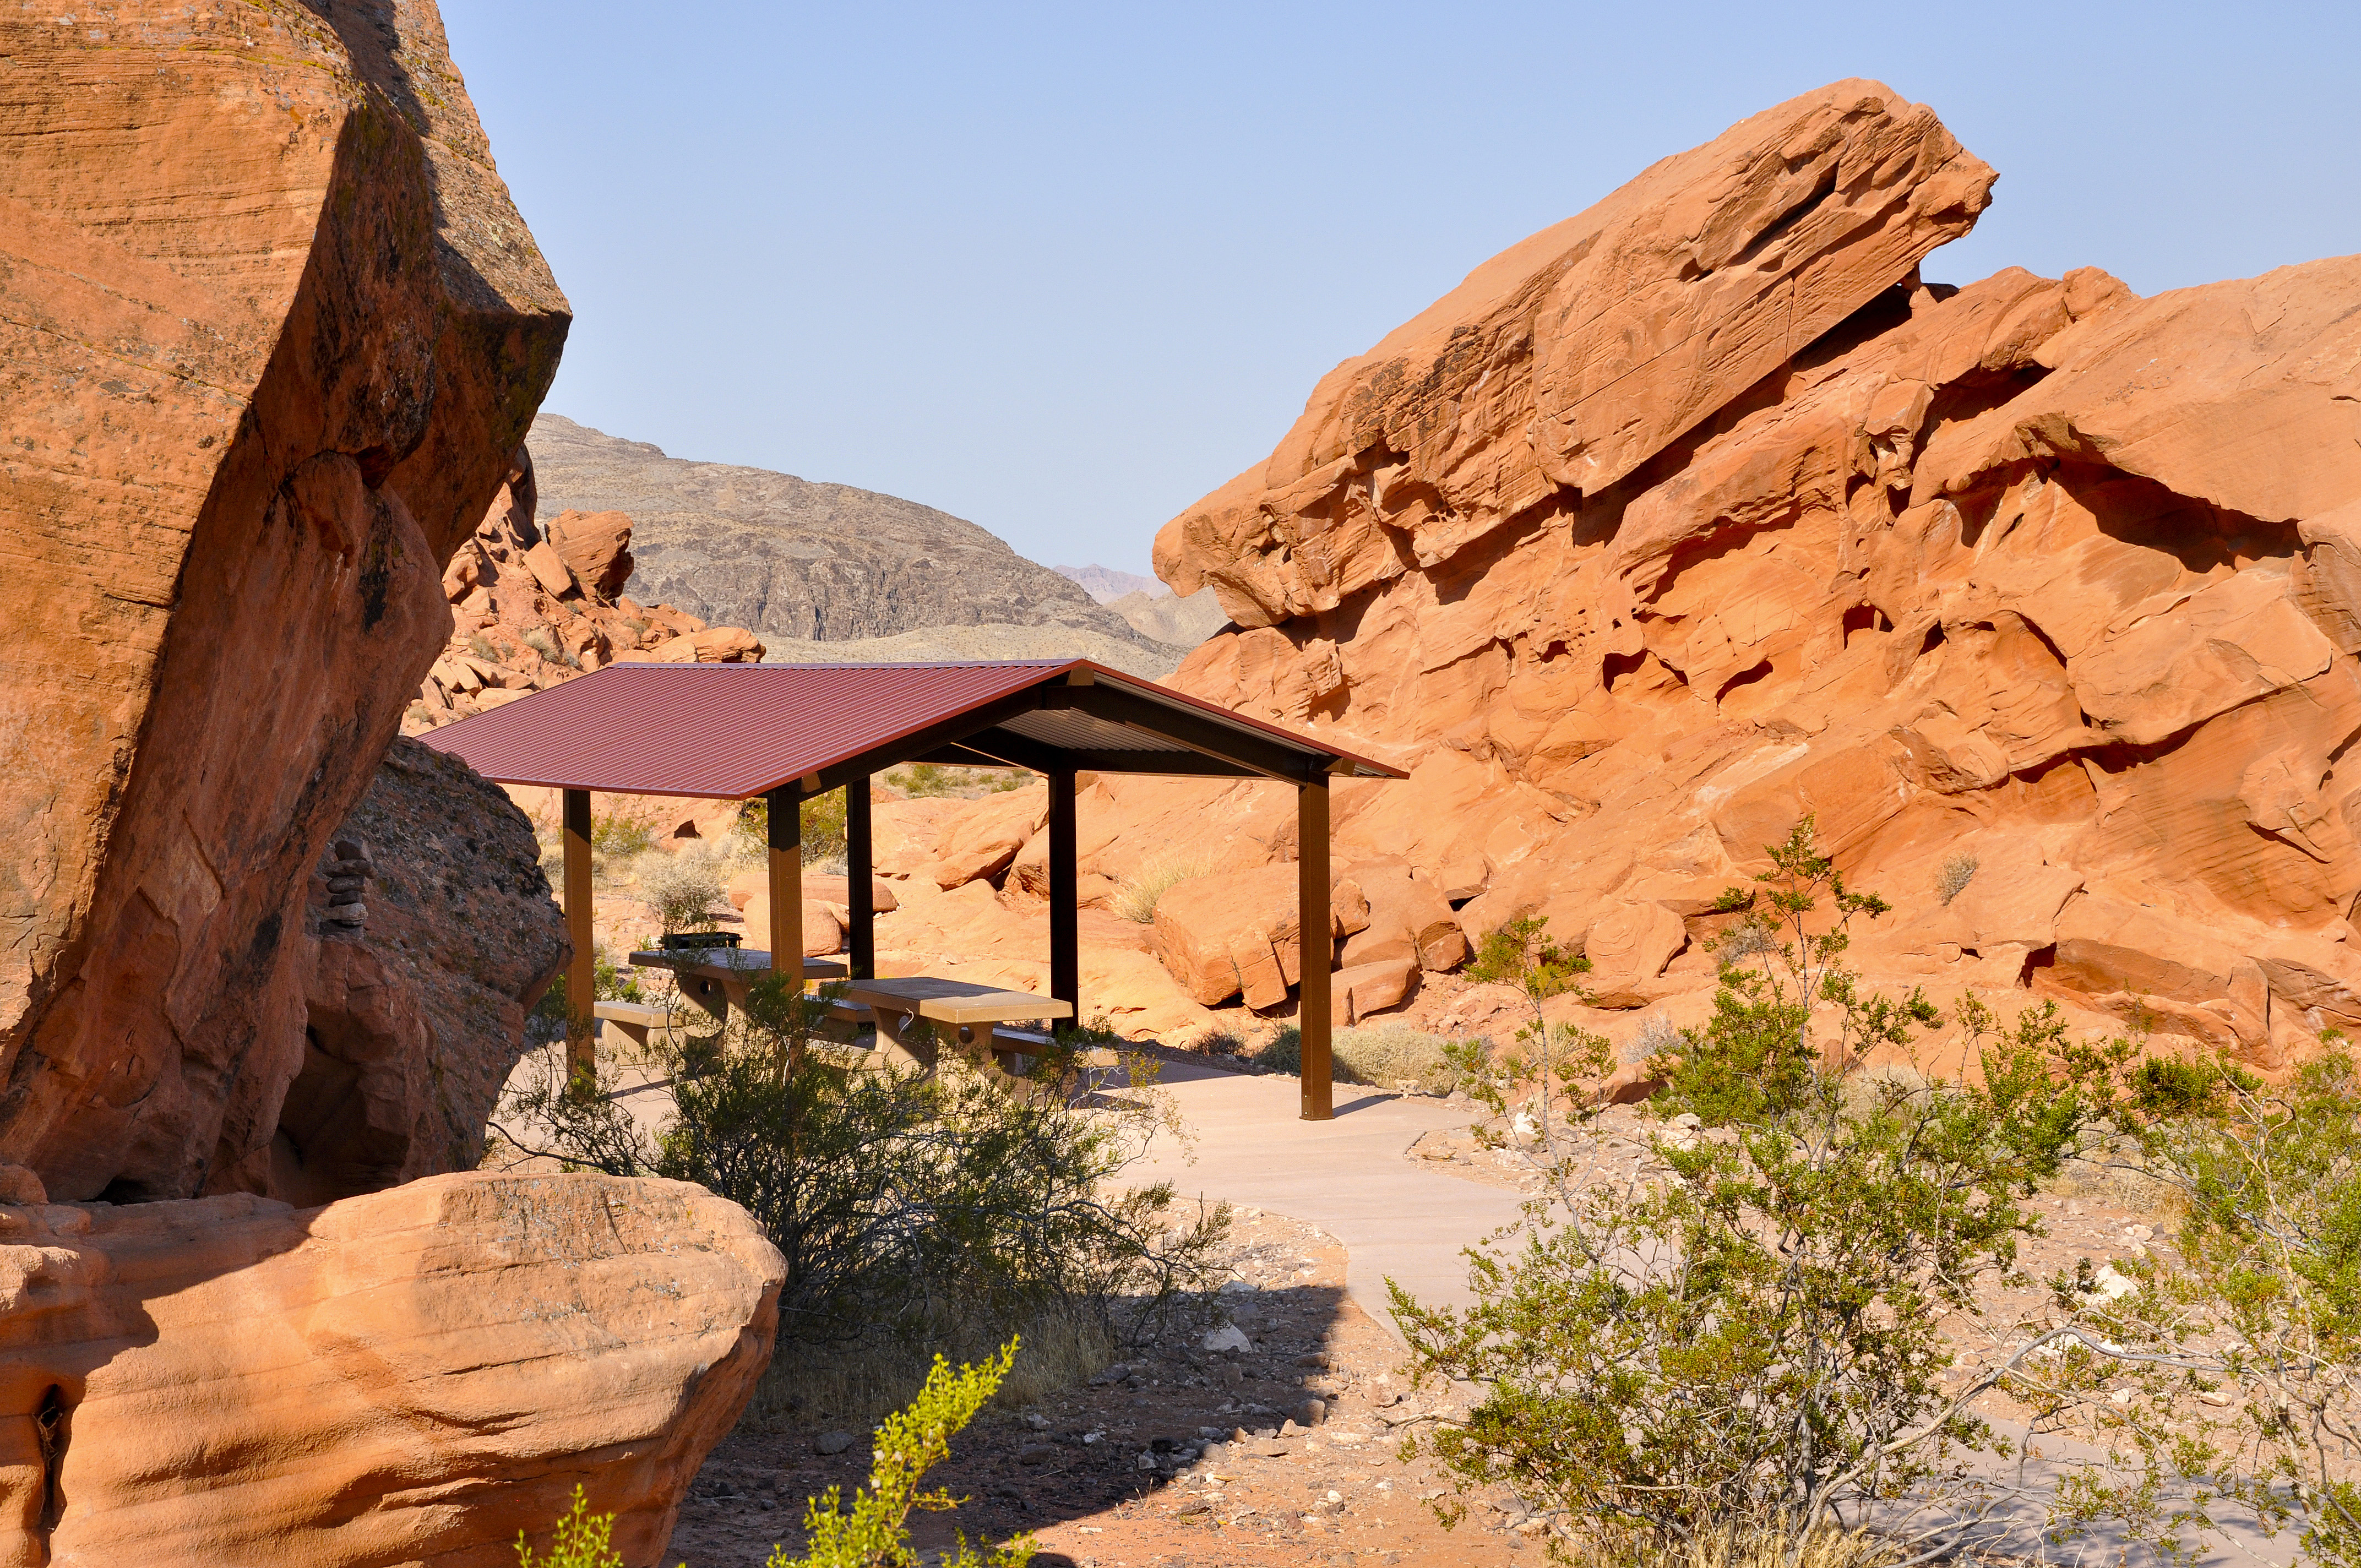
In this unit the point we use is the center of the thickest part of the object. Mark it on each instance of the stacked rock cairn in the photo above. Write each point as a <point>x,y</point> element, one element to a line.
<point>348,873</point>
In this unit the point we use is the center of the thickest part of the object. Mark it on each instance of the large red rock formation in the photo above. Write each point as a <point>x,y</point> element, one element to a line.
<point>412,1376</point>
<point>272,329</point>
<point>1700,512</point>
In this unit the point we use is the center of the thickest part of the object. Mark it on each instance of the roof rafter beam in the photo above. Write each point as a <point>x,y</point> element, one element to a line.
<point>1236,747</point>
<point>918,742</point>
<point>1004,748</point>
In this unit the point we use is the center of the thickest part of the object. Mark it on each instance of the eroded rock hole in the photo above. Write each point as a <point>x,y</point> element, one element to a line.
<point>52,1426</point>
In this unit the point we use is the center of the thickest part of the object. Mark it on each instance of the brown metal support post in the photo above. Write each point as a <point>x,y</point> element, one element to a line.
<point>1311,894</point>
<point>786,844</point>
<point>1065,896</point>
<point>862,894</point>
<point>582,974</point>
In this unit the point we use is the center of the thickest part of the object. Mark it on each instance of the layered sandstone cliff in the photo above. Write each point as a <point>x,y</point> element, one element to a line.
<point>1700,512</point>
<point>274,328</point>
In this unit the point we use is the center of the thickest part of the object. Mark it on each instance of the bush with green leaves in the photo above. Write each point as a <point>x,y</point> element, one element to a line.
<point>581,1539</point>
<point>2226,1387</point>
<point>932,1206</point>
<point>823,827</point>
<point>874,1532</point>
<point>1754,1341</point>
<point>609,982</point>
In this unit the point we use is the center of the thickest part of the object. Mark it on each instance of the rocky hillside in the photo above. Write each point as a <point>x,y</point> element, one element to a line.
<point>804,563</point>
<point>1701,512</point>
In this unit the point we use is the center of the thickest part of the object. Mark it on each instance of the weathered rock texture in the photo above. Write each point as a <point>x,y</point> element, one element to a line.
<point>415,1016</point>
<point>272,329</point>
<point>412,1376</point>
<point>1700,512</point>
<point>533,605</point>
<point>801,561</point>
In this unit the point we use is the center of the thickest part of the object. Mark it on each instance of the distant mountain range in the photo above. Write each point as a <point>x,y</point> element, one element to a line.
<point>1106,585</point>
<point>821,570</point>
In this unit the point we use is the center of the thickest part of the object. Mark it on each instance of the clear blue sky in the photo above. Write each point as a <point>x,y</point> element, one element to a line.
<point>1062,269</point>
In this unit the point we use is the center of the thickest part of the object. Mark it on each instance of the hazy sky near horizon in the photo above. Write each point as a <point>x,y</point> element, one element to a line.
<point>1061,269</point>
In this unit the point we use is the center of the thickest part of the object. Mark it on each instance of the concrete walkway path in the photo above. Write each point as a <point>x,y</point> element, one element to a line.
<point>1349,1176</point>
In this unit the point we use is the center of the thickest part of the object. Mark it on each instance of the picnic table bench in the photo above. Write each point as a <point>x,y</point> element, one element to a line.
<point>973,1015</point>
<point>717,979</point>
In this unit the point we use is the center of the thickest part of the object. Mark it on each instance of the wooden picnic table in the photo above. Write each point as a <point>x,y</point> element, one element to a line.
<point>717,979</point>
<point>971,1012</point>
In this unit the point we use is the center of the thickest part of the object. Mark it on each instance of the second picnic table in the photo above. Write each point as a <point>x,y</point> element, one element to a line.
<point>971,1010</point>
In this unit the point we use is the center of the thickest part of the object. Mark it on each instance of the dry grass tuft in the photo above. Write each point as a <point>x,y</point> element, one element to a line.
<point>1384,1057</point>
<point>1761,1547</point>
<point>1952,881</point>
<point>1135,898</point>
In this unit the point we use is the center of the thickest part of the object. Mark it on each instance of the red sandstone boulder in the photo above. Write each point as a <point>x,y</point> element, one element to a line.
<point>597,545</point>
<point>1628,947</point>
<point>1238,932</point>
<point>1359,990</point>
<point>1573,358</point>
<point>415,1375</point>
<point>1408,918</point>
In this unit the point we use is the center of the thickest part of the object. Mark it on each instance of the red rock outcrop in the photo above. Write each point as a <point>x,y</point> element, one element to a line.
<point>412,1376</point>
<point>533,606</point>
<point>1701,511</point>
<point>414,1016</point>
<point>272,328</point>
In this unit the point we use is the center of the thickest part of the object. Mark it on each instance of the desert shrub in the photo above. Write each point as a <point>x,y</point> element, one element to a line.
<point>824,833</point>
<point>682,889</point>
<point>620,836</point>
<point>1388,1057</point>
<point>1953,878</point>
<point>481,647</point>
<point>920,781</point>
<point>539,640</point>
<point>918,1208</point>
<point>873,1532</point>
<point>1756,1346</point>
<point>609,982</point>
<point>582,1539</point>
<point>1135,898</point>
<point>2223,1387</point>
<point>1656,1037</point>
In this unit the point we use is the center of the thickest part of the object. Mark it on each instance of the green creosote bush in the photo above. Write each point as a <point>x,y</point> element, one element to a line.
<point>582,1539</point>
<point>609,982</point>
<point>1757,1345</point>
<point>874,1532</point>
<point>2223,1388</point>
<point>823,827</point>
<point>921,780</point>
<point>912,1207</point>
<point>1384,1057</point>
<point>1135,898</point>
<point>620,836</point>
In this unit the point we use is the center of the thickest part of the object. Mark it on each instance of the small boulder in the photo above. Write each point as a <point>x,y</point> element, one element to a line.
<point>832,1443</point>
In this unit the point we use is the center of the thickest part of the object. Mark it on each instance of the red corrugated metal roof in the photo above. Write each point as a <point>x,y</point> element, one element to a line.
<point>730,732</point>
